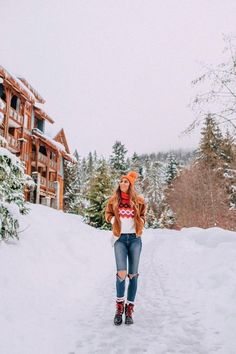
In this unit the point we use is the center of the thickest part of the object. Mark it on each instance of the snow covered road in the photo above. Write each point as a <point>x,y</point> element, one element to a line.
<point>162,322</point>
<point>170,309</point>
<point>58,290</point>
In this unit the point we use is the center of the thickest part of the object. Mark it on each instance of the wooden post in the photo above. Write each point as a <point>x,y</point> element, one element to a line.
<point>22,142</point>
<point>58,165</point>
<point>8,104</point>
<point>23,125</point>
<point>47,170</point>
<point>37,154</point>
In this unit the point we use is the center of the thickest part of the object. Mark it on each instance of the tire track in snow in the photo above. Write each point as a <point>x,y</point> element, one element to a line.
<point>162,325</point>
<point>177,331</point>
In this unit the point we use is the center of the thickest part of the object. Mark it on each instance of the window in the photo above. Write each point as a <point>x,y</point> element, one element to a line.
<point>11,131</point>
<point>15,103</point>
<point>39,124</point>
<point>2,93</point>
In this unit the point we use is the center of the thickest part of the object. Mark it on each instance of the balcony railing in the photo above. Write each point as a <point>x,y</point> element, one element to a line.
<point>12,142</point>
<point>53,164</point>
<point>16,116</point>
<point>43,181</point>
<point>43,159</point>
<point>51,185</point>
<point>25,157</point>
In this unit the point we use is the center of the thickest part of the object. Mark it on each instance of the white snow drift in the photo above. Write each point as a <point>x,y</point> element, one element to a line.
<point>58,290</point>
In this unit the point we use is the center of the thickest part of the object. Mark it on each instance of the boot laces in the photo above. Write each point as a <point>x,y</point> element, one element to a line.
<point>119,308</point>
<point>129,310</point>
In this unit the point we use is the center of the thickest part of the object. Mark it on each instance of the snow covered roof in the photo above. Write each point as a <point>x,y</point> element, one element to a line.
<point>61,137</point>
<point>22,85</point>
<point>42,113</point>
<point>56,144</point>
<point>31,89</point>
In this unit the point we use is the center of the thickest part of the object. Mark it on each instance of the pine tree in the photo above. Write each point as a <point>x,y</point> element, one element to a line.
<point>84,178</point>
<point>167,218</point>
<point>118,161</point>
<point>210,150</point>
<point>91,166</point>
<point>146,181</point>
<point>152,216</point>
<point>98,194</point>
<point>172,168</point>
<point>229,168</point>
<point>12,202</point>
<point>217,151</point>
<point>71,186</point>
<point>135,162</point>
<point>227,148</point>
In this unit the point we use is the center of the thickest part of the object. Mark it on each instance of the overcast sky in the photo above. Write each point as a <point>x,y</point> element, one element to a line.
<point>118,69</point>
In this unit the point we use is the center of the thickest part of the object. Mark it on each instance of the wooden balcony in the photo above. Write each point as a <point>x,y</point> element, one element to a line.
<point>53,164</point>
<point>16,116</point>
<point>43,181</point>
<point>42,160</point>
<point>25,157</point>
<point>51,185</point>
<point>13,143</point>
<point>43,184</point>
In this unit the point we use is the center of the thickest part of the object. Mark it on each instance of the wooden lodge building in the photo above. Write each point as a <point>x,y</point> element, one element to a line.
<point>22,124</point>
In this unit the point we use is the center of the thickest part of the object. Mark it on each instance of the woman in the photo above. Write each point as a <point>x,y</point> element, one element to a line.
<point>126,210</point>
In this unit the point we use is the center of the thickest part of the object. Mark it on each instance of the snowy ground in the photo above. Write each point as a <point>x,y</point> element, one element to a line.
<point>57,290</point>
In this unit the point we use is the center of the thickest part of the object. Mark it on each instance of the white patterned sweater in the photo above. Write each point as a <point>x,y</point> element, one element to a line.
<point>126,214</point>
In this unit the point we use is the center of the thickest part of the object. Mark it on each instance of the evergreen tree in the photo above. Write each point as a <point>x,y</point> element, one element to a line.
<point>118,161</point>
<point>217,151</point>
<point>229,168</point>
<point>152,216</point>
<point>90,165</point>
<point>95,156</point>
<point>172,168</point>
<point>135,163</point>
<point>76,155</point>
<point>167,218</point>
<point>146,181</point>
<point>227,152</point>
<point>12,203</point>
<point>98,194</point>
<point>210,150</point>
<point>71,186</point>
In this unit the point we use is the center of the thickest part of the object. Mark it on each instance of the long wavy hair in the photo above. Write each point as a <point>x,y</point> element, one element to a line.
<point>132,193</point>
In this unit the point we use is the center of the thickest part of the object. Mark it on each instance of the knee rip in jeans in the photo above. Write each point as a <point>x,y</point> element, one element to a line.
<point>121,277</point>
<point>131,276</point>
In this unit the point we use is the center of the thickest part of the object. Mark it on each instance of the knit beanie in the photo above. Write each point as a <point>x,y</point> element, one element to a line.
<point>131,176</point>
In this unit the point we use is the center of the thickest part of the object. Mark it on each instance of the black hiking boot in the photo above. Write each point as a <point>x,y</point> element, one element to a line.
<point>119,312</point>
<point>129,309</point>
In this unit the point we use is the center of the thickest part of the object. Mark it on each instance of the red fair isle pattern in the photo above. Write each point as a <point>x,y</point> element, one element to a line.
<point>126,212</point>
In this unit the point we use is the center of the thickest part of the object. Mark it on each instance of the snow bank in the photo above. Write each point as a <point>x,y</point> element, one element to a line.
<point>58,289</point>
<point>202,265</point>
<point>46,279</point>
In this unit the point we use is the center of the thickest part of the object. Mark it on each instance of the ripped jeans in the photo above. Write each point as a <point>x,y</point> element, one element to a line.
<point>128,246</point>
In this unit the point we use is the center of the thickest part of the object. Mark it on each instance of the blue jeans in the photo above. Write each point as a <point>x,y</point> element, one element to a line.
<point>127,246</point>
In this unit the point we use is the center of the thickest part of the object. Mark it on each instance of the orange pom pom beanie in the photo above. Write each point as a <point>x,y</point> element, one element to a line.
<point>131,176</point>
